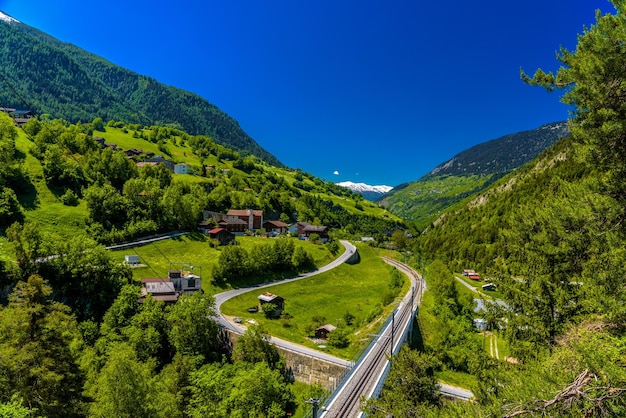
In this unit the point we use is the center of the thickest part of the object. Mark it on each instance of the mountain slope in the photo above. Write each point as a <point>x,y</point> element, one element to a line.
<point>50,77</point>
<point>469,172</point>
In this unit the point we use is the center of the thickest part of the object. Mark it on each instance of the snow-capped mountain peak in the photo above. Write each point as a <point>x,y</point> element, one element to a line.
<point>362,187</point>
<point>8,18</point>
<point>367,191</point>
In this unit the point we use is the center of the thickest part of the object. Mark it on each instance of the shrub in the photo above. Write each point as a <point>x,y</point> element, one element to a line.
<point>69,198</point>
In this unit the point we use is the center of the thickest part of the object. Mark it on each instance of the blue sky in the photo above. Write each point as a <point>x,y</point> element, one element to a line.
<point>379,92</point>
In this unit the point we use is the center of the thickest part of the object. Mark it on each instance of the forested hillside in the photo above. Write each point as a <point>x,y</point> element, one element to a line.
<point>49,77</point>
<point>71,329</point>
<point>469,172</point>
<point>550,237</point>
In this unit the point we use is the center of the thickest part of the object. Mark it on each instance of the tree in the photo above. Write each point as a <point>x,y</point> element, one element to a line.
<point>10,208</point>
<point>239,390</point>
<point>549,250</point>
<point>38,361</point>
<point>233,264</point>
<point>399,240</point>
<point>301,259</point>
<point>122,388</point>
<point>98,125</point>
<point>593,79</point>
<point>254,346</point>
<point>193,331</point>
<point>409,389</point>
<point>15,409</point>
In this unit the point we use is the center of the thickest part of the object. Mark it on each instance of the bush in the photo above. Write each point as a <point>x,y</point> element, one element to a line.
<point>69,198</point>
<point>387,298</point>
<point>339,338</point>
<point>270,310</point>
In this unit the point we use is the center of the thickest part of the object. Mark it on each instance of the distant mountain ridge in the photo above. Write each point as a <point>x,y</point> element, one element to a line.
<point>469,172</point>
<point>368,192</point>
<point>47,76</point>
<point>503,154</point>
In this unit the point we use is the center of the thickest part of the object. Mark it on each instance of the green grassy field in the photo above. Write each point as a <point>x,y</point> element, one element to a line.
<point>195,250</point>
<point>348,288</point>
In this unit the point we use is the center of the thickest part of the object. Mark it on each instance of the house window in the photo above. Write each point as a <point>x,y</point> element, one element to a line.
<point>191,283</point>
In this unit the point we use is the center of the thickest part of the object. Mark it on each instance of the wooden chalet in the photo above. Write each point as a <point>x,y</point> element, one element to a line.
<point>323,331</point>
<point>274,228</point>
<point>234,225</point>
<point>305,230</point>
<point>222,235</point>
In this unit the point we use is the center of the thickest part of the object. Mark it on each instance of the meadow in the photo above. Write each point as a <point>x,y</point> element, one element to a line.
<point>194,249</point>
<point>356,289</point>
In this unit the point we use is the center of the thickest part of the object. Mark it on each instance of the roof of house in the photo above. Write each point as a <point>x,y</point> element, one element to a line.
<point>327,327</point>
<point>145,163</point>
<point>268,297</point>
<point>166,298</point>
<point>277,224</point>
<point>217,230</point>
<point>315,228</point>
<point>154,280</point>
<point>162,287</point>
<point>244,212</point>
<point>233,221</point>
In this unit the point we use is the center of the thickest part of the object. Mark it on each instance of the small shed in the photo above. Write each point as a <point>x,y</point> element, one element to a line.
<point>324,330</point>
<point>268,297</point>
<point>132,260</point>
<point>489,286</point>
<point>221,235</point>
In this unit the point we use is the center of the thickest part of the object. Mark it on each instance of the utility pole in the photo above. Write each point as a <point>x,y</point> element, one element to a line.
<point>315,402</point>
<point>393,325</point>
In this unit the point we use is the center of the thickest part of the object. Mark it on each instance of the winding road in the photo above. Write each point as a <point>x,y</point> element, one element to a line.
<point>220,298</point>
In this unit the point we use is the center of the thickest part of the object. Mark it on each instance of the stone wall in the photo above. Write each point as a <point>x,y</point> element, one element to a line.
<point>307,369</point>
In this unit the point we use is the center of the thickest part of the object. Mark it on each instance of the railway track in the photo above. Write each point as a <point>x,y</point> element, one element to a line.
<point>362,381</point>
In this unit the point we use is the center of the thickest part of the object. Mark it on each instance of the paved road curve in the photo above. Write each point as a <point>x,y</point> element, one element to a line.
<point>220,298</point>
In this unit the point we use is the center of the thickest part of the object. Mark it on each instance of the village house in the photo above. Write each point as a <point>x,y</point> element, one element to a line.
<point>181,168</point>
<point>181,281</point>
<point>159,288</point>
<point>274,228</point>
<point>234,225</point>
<point>253,218</point>
<point>305,230</point>
<point>159,159</point>
<point>323,331</point>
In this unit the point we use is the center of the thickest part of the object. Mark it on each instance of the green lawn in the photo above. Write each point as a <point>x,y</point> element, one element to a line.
<point>42,205</point>
<point>348,288</point>
<point>195,250</point>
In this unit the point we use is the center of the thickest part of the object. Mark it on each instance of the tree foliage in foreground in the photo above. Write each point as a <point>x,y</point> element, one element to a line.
<point>38,352</point>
